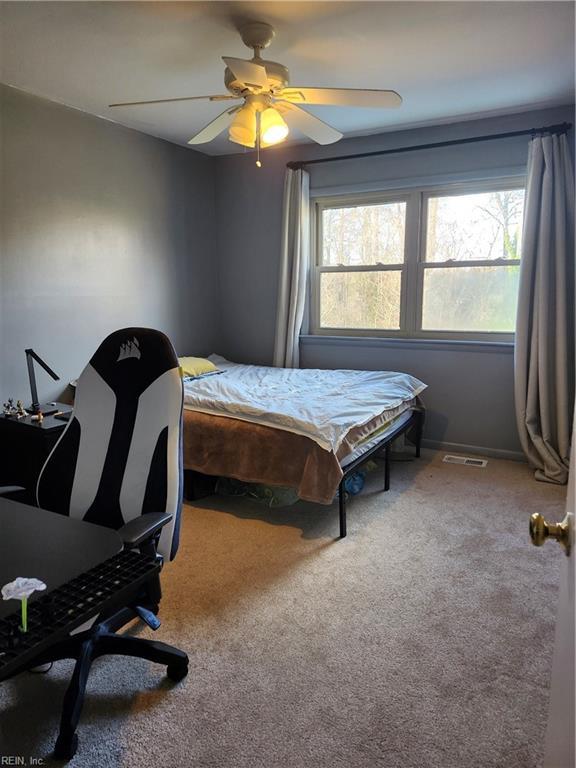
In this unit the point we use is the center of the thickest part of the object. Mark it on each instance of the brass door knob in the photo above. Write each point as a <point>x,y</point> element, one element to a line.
<point>540,530</point>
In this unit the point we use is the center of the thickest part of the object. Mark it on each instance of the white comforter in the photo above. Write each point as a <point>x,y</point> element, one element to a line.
<point>322,405</point>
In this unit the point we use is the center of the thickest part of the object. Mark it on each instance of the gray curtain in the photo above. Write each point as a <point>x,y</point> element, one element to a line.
<point>545,331</point>
<point>294,265</point>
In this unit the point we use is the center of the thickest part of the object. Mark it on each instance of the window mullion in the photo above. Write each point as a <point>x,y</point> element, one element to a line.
<point>410,276</point>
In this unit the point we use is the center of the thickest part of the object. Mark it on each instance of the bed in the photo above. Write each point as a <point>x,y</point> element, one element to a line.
<point>307,429</point>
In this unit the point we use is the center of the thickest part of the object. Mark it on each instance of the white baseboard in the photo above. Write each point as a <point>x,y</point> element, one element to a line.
<point>474,450</point>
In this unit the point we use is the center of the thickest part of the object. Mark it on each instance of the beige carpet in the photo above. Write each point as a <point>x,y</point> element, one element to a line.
<point>423,640</point>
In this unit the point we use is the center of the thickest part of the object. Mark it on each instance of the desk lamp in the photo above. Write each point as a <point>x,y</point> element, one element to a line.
<point>35,407</point>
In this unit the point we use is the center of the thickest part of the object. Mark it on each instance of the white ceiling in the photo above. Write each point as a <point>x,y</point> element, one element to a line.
<point>447,60</point>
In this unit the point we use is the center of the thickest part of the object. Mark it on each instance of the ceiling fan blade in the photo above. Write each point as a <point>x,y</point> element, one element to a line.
<point>312,126</point>
<point>247,72</point>
<point>166,101</point>
<point>212,130</point>
<point>342,97</point>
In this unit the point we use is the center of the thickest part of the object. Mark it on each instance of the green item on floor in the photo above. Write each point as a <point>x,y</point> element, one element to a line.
<point>271,495</point>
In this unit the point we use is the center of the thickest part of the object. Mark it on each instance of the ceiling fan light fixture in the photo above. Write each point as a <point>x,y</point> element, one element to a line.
<point>243,128</point>
<point>273,128</point>
<point>263,88</point>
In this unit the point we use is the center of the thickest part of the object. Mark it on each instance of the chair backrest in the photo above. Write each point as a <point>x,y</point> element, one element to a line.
<point>120,455</point>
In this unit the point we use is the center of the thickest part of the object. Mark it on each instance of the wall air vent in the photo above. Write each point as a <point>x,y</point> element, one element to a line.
<point>468,460</point>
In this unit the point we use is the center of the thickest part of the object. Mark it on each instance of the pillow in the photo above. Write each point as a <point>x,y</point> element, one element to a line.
<point>196,366</point>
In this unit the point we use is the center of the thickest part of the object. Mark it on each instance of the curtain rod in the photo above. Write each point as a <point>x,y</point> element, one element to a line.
<point>560,128</point>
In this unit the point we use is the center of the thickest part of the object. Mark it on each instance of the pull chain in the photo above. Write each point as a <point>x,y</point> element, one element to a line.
<point>258,163</point>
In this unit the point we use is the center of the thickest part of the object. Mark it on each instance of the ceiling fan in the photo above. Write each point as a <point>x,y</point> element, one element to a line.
<point>270,106</point>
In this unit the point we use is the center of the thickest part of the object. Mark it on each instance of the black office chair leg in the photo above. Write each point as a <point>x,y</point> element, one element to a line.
<point>65,650</point>
<point>175,660</point>
<point>67,742</point>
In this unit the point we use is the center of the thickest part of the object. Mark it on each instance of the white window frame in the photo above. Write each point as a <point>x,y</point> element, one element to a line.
<point>414,266</point>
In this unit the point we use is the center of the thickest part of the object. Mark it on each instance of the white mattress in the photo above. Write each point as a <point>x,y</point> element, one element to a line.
<point>319,404</point>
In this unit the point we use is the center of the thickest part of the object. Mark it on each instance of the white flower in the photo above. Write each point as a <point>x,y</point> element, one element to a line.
<point>21,588</point>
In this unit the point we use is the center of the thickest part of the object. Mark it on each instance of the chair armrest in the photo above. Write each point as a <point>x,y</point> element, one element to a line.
<point>5,489</point>
<point>143,528</point>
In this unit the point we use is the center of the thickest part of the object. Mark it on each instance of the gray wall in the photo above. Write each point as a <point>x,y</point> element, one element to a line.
<point>102,227</point>
<point>470,396</point>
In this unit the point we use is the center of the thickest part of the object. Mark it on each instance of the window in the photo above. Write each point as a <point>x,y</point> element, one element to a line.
<point>362,260</point>
<point>440,263</point>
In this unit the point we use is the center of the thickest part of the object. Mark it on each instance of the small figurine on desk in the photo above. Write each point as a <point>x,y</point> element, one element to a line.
<point>12,411</point>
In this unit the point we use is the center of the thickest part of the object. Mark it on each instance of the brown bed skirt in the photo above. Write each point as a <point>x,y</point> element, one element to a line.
<point>218,445</point>
<point>227,447</point>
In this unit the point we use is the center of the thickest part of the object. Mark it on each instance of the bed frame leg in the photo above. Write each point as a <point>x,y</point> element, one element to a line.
<point>419,431</point>
<point>342,508</point>
<point>387,467</point>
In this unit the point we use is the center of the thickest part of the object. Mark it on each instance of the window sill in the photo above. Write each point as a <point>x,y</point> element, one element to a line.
<point>452,345</point>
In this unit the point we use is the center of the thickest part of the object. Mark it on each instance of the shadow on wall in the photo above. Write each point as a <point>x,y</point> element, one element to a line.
<point>436,424</point>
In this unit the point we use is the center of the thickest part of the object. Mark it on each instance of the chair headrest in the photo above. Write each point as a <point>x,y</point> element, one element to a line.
<point>130,359</point>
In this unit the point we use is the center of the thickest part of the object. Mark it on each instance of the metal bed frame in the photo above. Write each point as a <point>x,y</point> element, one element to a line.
<point>416,422</point>
<point>198,486</point>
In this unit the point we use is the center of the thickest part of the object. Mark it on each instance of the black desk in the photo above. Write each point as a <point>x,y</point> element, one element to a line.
<point>53,548</point>
<point>24,447</point>
<point>95,586</point>
<point>86,571</point>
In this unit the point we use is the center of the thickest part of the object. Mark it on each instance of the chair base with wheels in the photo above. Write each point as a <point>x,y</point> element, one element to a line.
<point>87,646</point>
